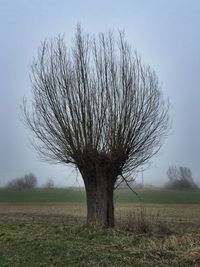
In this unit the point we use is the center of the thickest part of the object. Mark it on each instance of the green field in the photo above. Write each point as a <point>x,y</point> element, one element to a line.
<point>121,196</point>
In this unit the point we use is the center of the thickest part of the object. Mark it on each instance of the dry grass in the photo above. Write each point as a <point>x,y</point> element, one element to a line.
<point>179,218</point>
<point>141,220</point>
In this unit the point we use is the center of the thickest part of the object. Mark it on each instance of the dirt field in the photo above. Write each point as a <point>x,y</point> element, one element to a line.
<point>181,217</point>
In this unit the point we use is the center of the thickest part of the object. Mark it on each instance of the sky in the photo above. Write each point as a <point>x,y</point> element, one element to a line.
<point>166,33</point>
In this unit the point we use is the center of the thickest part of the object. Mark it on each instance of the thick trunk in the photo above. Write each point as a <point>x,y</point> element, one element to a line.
<point>100,208</point>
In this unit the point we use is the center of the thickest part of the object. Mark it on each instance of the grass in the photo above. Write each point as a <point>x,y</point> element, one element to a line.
<point>159,196</point>
<point>41,195</point>
<point>121,196</point>
<point>68,245</point>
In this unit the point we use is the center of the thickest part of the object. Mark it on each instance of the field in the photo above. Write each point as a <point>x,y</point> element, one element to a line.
<point>46,228</point>
<point>121,196</point>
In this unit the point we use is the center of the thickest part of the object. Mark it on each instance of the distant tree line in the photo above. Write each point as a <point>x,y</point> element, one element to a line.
<point>28,181</point>
<point>180,178</point>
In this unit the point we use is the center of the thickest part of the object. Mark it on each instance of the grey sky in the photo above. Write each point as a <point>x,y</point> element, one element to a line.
<point>167,35</point>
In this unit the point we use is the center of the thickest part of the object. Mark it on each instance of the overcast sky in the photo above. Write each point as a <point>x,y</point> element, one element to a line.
<point>166,33</point>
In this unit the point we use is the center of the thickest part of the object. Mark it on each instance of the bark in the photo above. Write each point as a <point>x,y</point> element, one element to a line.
<point>99,193</point>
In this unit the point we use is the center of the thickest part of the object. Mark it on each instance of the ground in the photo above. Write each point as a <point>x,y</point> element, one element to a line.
<point>52,232</point>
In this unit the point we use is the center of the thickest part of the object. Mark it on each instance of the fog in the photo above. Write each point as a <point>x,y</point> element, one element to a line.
<point>166,35</point>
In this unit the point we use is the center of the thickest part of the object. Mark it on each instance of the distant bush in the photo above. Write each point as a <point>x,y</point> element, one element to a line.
<point>28,181</point>
<point>180,178</point>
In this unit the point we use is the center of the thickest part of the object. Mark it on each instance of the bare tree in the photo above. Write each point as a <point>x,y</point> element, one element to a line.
<point>28,181</point>
<point>180,178</point>
<point>49,184</point>
<point>97,107</point>
<point>186,174</point>
<point>173,174</point>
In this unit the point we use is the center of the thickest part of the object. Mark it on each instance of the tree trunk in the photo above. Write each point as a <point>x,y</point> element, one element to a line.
<point>100,208</point>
